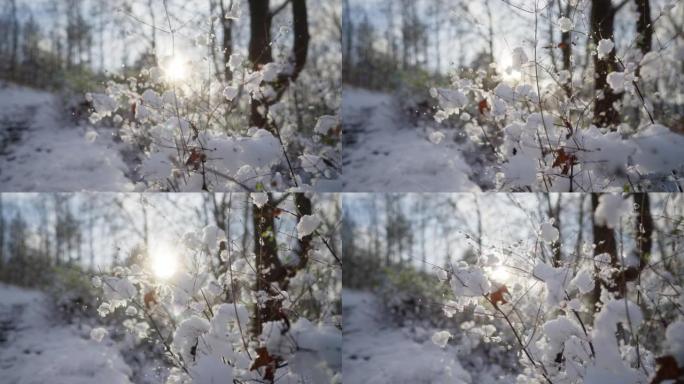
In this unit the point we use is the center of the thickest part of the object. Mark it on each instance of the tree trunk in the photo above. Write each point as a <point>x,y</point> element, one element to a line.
<point>260,52</point>
<point>566,50</point>
<point>269,270</point>
<point>227,42</point>
<point>644,26</point>
<point>15,39</point>
<point>604,242</point>
<point>602,27</point>
<point>2,238</point>
<point>643,229</point>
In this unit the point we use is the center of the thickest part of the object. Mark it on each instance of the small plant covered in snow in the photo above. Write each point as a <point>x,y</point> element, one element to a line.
<point>564,127</point>
<point>595,315</point>
<point>228,314</point>
<point>200,130</point>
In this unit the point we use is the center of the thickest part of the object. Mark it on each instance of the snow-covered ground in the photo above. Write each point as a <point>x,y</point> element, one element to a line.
<point>383,152</point>
<point>36,348</point>
<point>375,351</point>
<point>40,151</point>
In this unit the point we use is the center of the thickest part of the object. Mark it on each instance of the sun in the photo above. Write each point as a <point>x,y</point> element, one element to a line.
<point>163,261</point>
<point>504,66</point>
<point>176,69</point>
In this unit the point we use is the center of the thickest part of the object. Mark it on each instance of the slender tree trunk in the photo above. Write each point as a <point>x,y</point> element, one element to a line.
<point>644,26</point>
<point>260,52</point>
<point>555,213</point>
<point>643,229</point>
<point>490,29</point>
<point>552,51</point>
<point>602,27</point>
<point>604,242</point>
<point>227,42</point>
<point>269,270</point>
<point>153,28</point>
<point>580,225</point>
<point>2,238</point>
<point>15,39</point>
<point>566,49</point>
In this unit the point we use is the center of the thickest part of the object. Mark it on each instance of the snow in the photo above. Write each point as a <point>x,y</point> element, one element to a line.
<point>210,370</point>
<point>186,337</point>
<point>98,334</point>
<point>230,92</point>
<point>650,66</point>
<point>307,225</point>
<point>605,46</point>
<point>375,352</point>
<point>235,61</point>
<point>584,280</point>
<point>609,210</point>
<point>325,124</point>
<point>675,340</point>
<point>259,198</point>
<point>609,367</point>
<point>659,150</point>
<point>549,233</point>
<point>519,58</point>
<point>565,24</point>
<point>41,152</point>
<point>557,332</point>
<point>557,281</point>
<point>248,159</point>
<point>616,80</point>
<point>504,91</point>
<point>38,350</point>
<point>118,290</point>
<point>441,338</point>
<point>383,152</point>
<point>469,281</point>
<point>564,76</point>
<point>436,137</point>
<point>450,99</point>
<point>312,351</point>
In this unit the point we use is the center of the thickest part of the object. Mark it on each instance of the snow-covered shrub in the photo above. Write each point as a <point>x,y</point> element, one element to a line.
<point>582,316</point>
<point>536,117</point>
<point>196,132</point>
<point>226,315</point>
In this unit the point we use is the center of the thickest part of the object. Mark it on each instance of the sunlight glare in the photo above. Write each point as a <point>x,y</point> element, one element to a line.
<point>506,71</point>
<point>163,261</point>
<point>177,70</point>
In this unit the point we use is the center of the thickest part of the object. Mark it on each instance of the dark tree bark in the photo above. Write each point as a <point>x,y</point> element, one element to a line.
<point>227,41</point>
<point>566,47</point>
<point>644,243</point>
<point>348,39</point>
<point>272,276</point>
<point>269,269</point>
<point>303,205</point>
<point>15,38</point>
<point>604,242</point>
<point>604,239</point>
<point>300,19</point>
<point>260,52</point>
<point>554,211</point>
<point>644,26</point>
<point>2,237</point>
<point>602,27</point>
<point>644,227</point>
